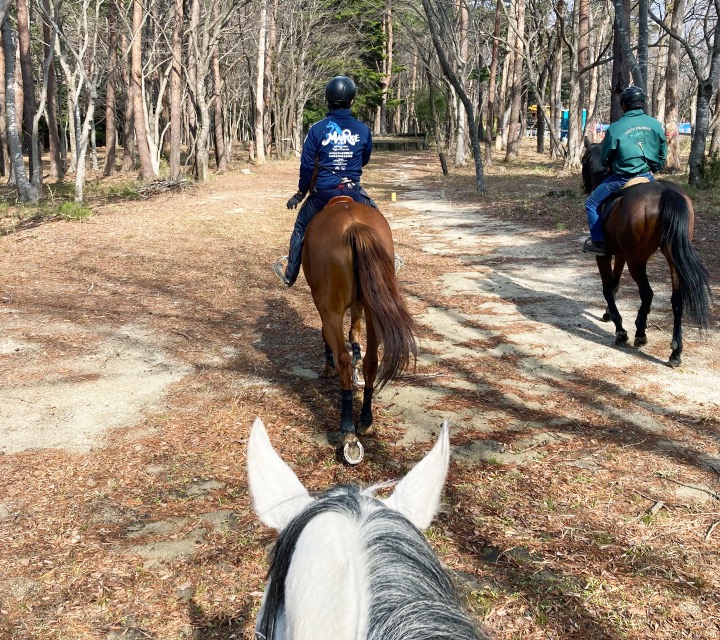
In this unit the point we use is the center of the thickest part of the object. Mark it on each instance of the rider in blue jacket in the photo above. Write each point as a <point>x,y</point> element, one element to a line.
<point>334,153</point>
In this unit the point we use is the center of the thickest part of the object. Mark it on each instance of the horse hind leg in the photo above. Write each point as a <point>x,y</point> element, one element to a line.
<point>638,271</point>
<point>609,286</point>
<point>370,367</point>
<point>676,300</point>
<point>617,270</point>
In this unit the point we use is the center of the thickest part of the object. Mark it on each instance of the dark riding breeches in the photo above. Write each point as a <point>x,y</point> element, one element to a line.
<point>313,205</point>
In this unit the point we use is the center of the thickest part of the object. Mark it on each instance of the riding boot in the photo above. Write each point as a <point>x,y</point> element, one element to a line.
<point>596,247</point>
<point>292,271</point>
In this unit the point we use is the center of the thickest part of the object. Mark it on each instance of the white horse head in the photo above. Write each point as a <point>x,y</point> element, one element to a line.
<point>349,566</point>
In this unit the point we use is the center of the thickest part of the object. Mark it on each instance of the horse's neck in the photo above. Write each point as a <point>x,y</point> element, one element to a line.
<point>326,590</point>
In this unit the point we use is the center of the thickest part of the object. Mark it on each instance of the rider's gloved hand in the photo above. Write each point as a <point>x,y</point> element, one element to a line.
<point>295,200</point>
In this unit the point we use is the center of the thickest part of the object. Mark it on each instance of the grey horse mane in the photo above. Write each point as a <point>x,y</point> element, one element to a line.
<point>412,596</point>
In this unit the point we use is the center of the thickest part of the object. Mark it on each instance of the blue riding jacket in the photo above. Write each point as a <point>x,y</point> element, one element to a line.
<point>340,146</point>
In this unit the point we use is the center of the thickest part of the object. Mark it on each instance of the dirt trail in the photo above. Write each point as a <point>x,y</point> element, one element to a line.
<point>537,297</point>
<point>137,348</point>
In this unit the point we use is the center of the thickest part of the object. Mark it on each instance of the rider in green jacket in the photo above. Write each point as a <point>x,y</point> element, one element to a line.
<point>633,146</point>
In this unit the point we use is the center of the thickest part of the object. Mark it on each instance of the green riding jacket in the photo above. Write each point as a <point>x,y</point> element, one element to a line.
<point>634,144</point>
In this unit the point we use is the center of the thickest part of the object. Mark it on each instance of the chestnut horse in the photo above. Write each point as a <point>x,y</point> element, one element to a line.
<point>644,218</point>
<point>348,263</point>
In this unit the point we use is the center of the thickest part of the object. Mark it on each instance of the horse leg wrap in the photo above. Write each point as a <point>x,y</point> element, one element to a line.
<point>347,425</point>
<point>366,416</point>
<point>356,353</point>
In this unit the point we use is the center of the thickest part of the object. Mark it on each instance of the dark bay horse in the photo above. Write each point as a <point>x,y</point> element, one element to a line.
<point>645,218</point>
<point>348,261</point>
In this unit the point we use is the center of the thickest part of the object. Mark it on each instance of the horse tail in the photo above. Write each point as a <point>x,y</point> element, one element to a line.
<point>378,289</point>
<point>675,241</point>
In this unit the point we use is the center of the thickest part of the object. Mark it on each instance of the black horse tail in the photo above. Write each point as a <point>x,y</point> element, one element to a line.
<point>379,291</point>
<point>694,288</point>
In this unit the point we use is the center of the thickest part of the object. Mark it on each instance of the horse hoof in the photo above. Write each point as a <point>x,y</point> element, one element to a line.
<point>606,317</point>
<point>674,363</point>
<point>358,379</point>
<point>353,451</point>
<point>328,372</point>
<point>621,337</point>
<point>640,341</point>
<point>366,430</point>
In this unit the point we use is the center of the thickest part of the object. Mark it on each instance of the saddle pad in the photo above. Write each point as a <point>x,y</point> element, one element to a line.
<point>634,181</point>
<point>607,204</point>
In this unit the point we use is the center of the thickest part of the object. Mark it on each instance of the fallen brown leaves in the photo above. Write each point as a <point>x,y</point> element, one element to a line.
<point>152,536</point>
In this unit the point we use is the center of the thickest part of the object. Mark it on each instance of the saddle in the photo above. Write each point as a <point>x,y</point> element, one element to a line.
<point>338,199</point>
<point>607,204</point>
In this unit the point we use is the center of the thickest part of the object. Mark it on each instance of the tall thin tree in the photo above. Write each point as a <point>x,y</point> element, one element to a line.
<point>28,192</point>
<point>136,75</point>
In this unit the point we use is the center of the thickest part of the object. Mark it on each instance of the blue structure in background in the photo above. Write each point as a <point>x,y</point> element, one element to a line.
<point>566,119</point>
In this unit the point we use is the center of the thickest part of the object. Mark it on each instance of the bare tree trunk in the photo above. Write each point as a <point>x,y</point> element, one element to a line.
<point>221,159</point>
<point>129,125</point>
<point>440,140</point>
<point>4,144</point>
<point>26,67</point>
<point>715,138</point>
<point>176,92</point>
<point>583,56</point>
<point>410,123</point>
<point>386,66</point>
<point>463,21</point>
<point>540,100</point>
<point>492,85</point>
<point>556,150</point>
<point>57,170</point>
<point>513,138</point>
<point>621,67</point>
<point>110,129</point>
<point>192,73</point>
<point>259,85</point>
<point>28,192</point>
<point>146,168</point>
<point>575,101</point>
<point>659,87</point>
<point>622,32</point>
<point>501,134</point>
<point>268,77</point>
<point>672,104</point>
<point>597,38</point>
<point>643,41</point>
<point>83,137</point>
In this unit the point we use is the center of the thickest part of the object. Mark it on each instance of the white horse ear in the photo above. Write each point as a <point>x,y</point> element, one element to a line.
<point>417,495</point>
<point>277,494</point>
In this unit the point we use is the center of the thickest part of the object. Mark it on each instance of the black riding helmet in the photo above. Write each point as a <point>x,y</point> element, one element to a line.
<point>340,92</point>
<point>632,98</point>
